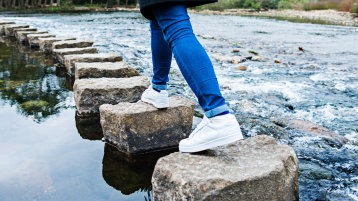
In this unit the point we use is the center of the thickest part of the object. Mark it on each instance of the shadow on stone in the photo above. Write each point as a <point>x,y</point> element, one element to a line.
<point>89,127</point>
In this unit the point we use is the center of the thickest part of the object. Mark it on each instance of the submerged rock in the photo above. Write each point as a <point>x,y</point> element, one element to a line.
<point>140,127</point>
<point>104,69</point>
<point>70,60</point>
<point>89,94</point>
<point>59,54</point>
<point>243,68</point>
<point>253,169</point>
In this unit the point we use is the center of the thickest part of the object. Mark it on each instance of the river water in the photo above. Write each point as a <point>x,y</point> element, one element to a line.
<point>47,153</point>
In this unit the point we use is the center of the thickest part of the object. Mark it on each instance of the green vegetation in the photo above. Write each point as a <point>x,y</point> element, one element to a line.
<point>341,5</point>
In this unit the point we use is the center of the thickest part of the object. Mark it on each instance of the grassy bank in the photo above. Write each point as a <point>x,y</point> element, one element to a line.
<point>340,5</point>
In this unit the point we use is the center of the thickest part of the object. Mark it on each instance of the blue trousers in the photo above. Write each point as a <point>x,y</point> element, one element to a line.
<point>172,33</point>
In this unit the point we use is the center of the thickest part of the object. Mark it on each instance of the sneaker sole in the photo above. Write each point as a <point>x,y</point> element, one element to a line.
<point>212,144</point>
<point>159,106</point>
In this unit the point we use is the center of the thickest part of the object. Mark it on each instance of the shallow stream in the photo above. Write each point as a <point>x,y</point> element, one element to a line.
<point>47,153</point>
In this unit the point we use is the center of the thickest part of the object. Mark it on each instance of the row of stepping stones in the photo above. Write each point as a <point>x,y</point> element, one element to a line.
<point>253,169</point>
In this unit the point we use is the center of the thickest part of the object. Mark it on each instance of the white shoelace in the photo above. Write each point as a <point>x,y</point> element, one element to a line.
<point>201,125</point>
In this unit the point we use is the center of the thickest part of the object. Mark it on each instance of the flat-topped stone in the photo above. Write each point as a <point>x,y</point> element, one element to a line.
<point>104,69</point>
<point>8,30</point>
<point>72,44</point>
<point>140,127</point>
<point>6,22</point>
<point>22,29</point>
<point>90,94</point>
<point>253,169</point>
<point>70,60</point>
<point>21,36</point>
<point>45,44</point>
<point>33,39</point>
<point>59,54</point>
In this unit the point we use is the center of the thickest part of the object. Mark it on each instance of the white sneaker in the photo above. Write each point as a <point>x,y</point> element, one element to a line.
<point>158,99</point>
<point>213,132</point>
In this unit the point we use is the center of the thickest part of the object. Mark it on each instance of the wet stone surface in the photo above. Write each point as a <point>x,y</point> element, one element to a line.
<point>9,29</point>
<point>140,127</point>
<point>104,69</point>
<point>253,169</point>
<point>90,94</point>
<point>59,54</point>
<point>70,60</point>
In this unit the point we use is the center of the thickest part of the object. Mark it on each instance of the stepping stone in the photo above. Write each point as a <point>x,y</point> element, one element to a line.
<point>253,169</point>
<point>140,127</point>
<point>6,22</point>
<point>21,36</point>
<point>89,94</point>
<point>33,39</point>
<point>23,29</point>
<point>104,69</point>
<point>45,44</point>
<point>72,44</point>
<point>8,30</point>
<point>70,60</point>
<point>59,54</point>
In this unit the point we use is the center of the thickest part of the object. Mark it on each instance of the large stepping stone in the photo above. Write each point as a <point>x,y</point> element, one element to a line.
<point>104,69</point>
<point>21,36</point>
<point>90,94</point>
<point>45,44</point>
<point>140,127</point>
<point>70,60</point>
<point>8,30</point>
<point>253,169</point>
<point>33,39</point>
<point>72,44</point>
<point>59,54</point>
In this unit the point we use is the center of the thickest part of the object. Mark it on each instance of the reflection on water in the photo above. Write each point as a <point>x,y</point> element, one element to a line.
<point>89,127</point>
<point>28,80</point>
<point>43,154</point>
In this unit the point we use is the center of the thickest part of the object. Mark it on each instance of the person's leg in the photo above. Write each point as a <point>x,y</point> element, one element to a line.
<point>161,57</point>
<point>215,129</point>
<point>191,57</point>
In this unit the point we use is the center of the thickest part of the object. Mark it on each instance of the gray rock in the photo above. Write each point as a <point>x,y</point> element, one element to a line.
<point>21,36</point>
<point>104,69</point>
<point>72,44</point>
<point>70,60</point>
<point>8,30</point>
<point>33,39</point>
<point>6,22</point>
<point>59,54</point>
<point>253,169</point>
<point>140,127</point>
<point>89,94</point>
<point>45,44</point>
<point>23,29</point>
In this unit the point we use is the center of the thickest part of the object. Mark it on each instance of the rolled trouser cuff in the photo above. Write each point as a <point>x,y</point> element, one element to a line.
<point>216,111</point>
<point>159,87</point>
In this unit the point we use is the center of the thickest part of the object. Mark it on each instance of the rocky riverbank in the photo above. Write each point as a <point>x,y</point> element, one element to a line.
<point>315,16</point>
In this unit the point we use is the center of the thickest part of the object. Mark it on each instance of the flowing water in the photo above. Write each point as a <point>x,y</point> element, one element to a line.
<point>47,153</point>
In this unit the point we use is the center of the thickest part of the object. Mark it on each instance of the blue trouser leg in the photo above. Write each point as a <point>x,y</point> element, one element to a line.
<point>192,59</point>
<point>161,56</point>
